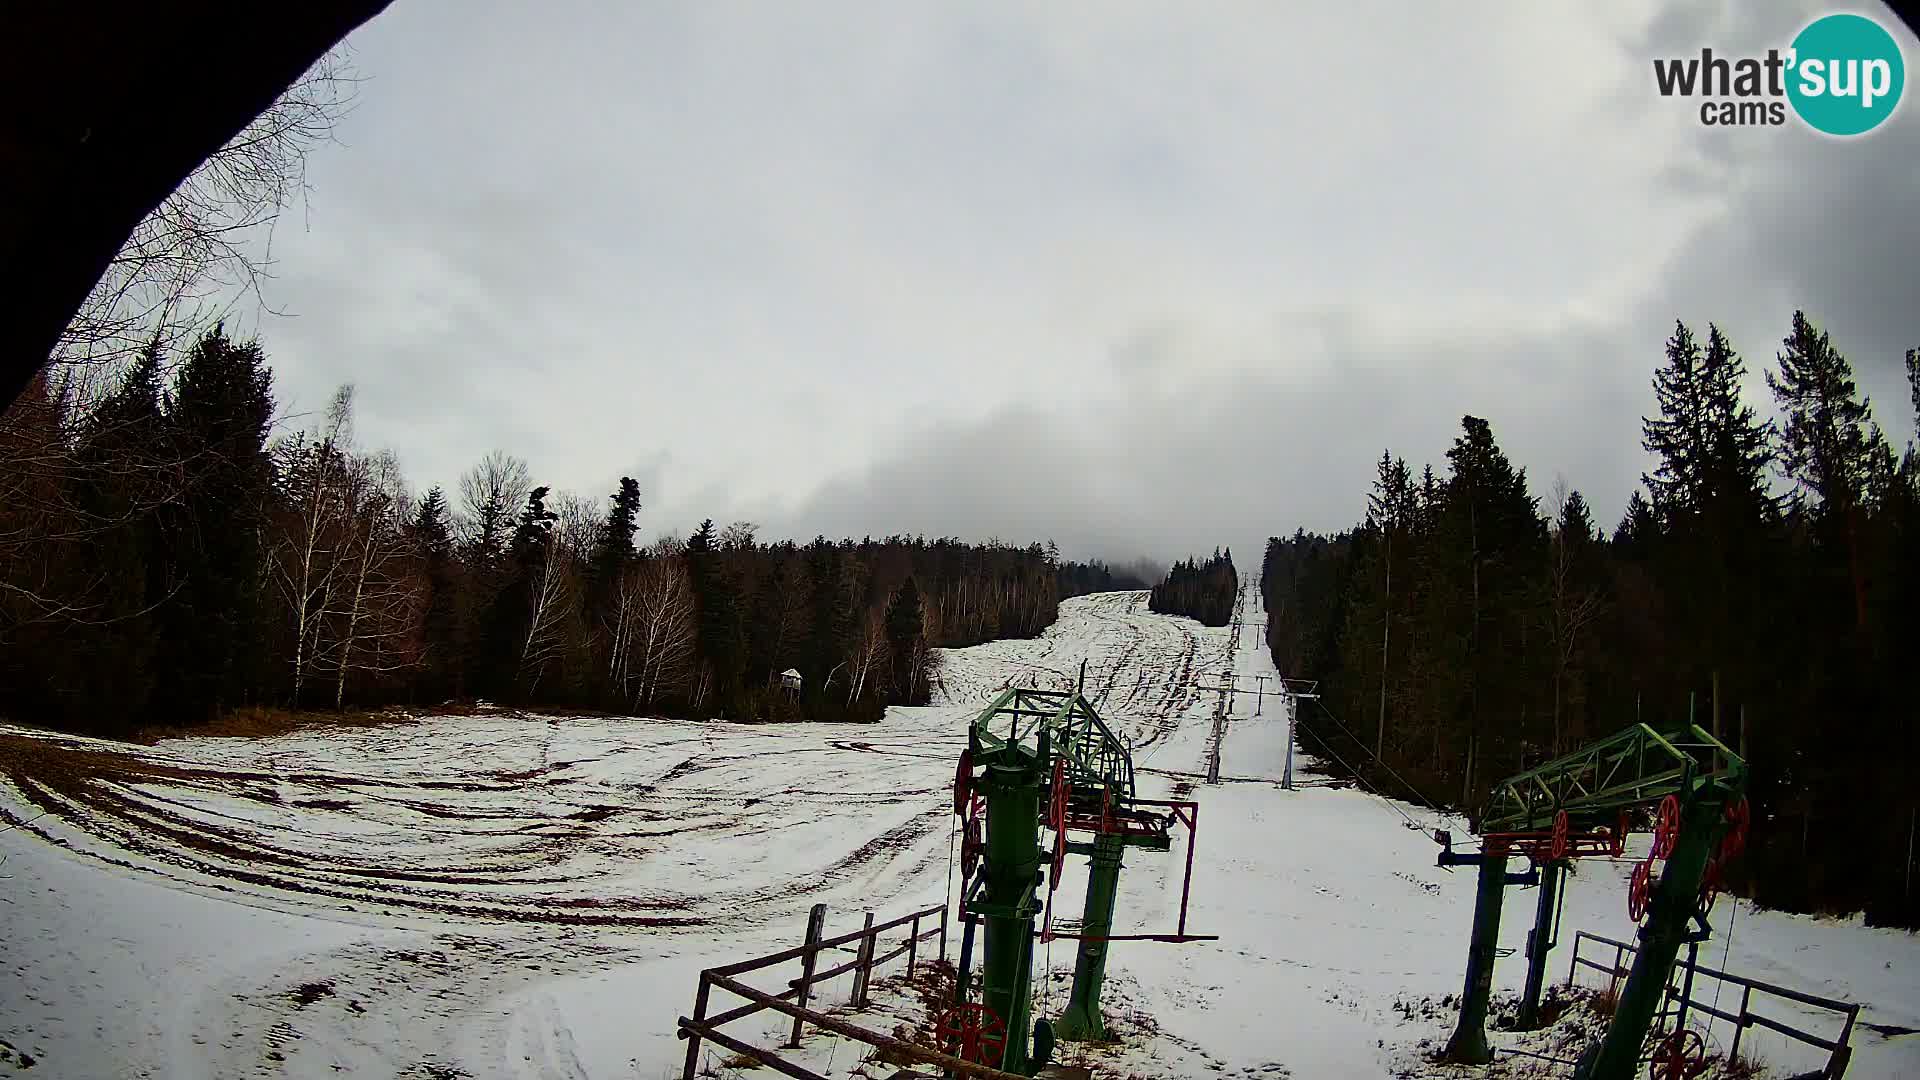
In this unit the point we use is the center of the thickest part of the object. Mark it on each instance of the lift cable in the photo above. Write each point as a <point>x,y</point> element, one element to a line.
<point>953,831</point>
<point>1727,953</point>
<point>1362,781</point>
<point>1422,799</point>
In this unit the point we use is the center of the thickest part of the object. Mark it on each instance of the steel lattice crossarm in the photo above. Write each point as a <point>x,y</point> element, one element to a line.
<point>1634,767</point>
<point>1064,724</point>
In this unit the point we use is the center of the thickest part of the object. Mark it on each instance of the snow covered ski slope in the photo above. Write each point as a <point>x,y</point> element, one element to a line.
<point>508,895</point>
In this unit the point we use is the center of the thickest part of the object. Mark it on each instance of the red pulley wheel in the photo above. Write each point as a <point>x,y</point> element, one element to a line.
<point>970,848</point>
<point>1739,816</point>
<point>1710,886</point>
<point>1059,860</point>
<point>963,782</point>
<point>1639,889</point>
<point>971,1032</point>
<point>1681,1056</point>
<point>1666,827</point>
<point>1561,827</point>
<point>1057,810</point>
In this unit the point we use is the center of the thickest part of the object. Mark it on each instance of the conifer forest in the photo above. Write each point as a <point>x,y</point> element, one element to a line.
<point>170,556</point>
<point>1763,581</point>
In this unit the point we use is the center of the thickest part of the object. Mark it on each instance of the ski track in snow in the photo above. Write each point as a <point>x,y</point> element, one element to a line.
<point>511,895</point>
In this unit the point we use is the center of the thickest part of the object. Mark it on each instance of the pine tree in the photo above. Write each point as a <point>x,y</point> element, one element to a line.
<point>906,623</point>
<point>1678,484</point>
<point>1829,443</point>
<point>513,606</point>
<point>1495,540</point>
<point>213,630</point>
<point>1639,528</point>
<point>1737,446</point>
<point>613,548</point>
<point>442,647</point>
<point>129,472</point>
<point>1711,495</point>
<point>767,629</point>
<point>831,623</point>
<point>1390,511</point>
<point>719,616</point>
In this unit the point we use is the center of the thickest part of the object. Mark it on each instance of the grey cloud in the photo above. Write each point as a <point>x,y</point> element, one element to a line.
<point>1136,278</point>
<point>1234,459</point>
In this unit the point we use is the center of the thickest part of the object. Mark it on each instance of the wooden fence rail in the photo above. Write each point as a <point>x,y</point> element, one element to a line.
<point>793,1000</point>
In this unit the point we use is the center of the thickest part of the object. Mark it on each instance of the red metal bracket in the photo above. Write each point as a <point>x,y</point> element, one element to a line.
<point>1185,812</point>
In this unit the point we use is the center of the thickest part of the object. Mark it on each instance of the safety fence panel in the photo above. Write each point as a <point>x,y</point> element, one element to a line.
<point>1742,1007</point>
<point>866,944</point>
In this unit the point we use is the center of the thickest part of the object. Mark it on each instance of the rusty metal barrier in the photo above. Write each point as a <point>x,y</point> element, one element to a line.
<point>703,1027</point>
<point>1839,1049</point>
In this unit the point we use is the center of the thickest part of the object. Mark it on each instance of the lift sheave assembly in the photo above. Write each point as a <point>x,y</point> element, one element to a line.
<point>1044,759</point>
<point>1581,805</point>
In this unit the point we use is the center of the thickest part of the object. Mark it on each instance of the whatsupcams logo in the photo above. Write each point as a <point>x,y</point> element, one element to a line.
<point>1842,75</point>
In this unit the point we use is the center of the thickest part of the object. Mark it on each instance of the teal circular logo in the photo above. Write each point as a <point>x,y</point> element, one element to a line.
<point>1847,74</point>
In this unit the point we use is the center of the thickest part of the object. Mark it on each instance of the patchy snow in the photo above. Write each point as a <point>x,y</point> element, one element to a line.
<point>506,895</point>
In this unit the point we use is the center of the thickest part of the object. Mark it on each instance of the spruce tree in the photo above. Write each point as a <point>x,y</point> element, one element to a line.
<point>442,647</point>
<point>613,547</point>
<point>906,623</point>
<point>213,629</point>
<point>1710,492</point>
<point>1829,444</point>
<point>1737,446</point>
<point>719,616</point>
<point>1494,541</point>
<point>512,610</point>
<point>767,627</point>
<point>1677,485</point>
<point>1827,440</point>
<point>127,474</point>
<point>1639,527</point>
<point>830,624</point>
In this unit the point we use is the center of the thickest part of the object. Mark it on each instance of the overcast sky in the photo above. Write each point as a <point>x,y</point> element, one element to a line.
<point>1142,278</point>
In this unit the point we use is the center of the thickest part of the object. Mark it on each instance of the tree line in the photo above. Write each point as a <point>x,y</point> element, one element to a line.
<point>1092,576</point>
<point>1199,590</point>
<point>166,556</point>
<point>1763,582</point>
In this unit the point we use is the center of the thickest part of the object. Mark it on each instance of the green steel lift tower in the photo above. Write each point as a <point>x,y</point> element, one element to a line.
<point>1580,805</point>
<point>1034,759</point>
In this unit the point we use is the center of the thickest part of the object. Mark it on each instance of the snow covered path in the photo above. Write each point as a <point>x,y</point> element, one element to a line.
<point>532,896</point>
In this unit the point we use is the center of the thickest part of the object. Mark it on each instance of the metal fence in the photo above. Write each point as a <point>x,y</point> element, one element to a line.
<point>1681,1000</point>
<point>867,943</point>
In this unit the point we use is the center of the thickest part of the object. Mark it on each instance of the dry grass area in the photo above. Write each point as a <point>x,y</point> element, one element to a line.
<point>260,722</point>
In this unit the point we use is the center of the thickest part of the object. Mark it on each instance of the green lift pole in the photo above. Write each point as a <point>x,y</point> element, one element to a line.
<point>1012,871</point>
<point>1673,903</point>
<point>1033,743</point>
<point>1555,812</point>
<point>1539,942</point>
<point>1082,1020</point>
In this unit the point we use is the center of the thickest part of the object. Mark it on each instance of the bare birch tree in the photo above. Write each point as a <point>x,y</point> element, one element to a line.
<point>313,478</point>
<point>870,651</point>
<point>491,493</point>
<point>552,599</point>
<point>580,521</point>
<point>664,625</point>
<point>209,244</point>
<point>378,596</point>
